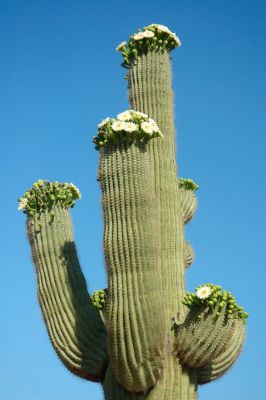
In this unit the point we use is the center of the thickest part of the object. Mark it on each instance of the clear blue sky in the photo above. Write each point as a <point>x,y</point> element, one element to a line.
<point>59,76</point>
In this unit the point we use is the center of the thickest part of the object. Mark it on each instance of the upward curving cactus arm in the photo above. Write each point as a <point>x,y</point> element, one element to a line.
<point>188,200</point>
<point>211,337</point>
<point>221,364</point>
<point>73,323</point>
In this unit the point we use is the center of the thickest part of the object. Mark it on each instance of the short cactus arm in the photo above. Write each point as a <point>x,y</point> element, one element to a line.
<point>188,200</point>
<point>73,323</point>
<point>222,363</point>
<point>188,254</point>
<point>212,335</point>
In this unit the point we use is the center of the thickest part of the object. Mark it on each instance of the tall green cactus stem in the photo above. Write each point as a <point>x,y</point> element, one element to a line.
<point>150,91</point>
<point>134,312</point>
<point>73,323</point>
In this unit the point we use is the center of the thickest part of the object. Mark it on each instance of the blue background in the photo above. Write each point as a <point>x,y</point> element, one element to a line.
<point>59,76</point>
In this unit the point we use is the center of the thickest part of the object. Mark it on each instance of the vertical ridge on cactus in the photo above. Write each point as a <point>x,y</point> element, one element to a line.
<point>144,337</point>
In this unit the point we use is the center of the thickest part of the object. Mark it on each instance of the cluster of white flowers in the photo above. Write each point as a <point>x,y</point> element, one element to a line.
<point>124,126</point>
<point>176,39</point>
<point>150,127</point>
<point>139,114</point>
<point>130,115</point>
<point>203,292</point>
<point>125,116</point>
<point>143,35</point>
<point>160,27</point>
<point>137,123</point>
<point>121,46</point>
<point>165,29</point>
<point>22,203</point>
<point>152,37</point>
<point>104,122</point>
<point>126,121</point>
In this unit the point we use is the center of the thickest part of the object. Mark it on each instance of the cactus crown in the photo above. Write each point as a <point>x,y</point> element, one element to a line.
<point>44,194</point>
<point>208,297</point>
<point>98,298</point>
<point>187,184</point>
<point>153,37</point>
<point>128,126</point>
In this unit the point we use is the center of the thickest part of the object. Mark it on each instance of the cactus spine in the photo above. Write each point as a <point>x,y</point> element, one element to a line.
<point>143,337</point>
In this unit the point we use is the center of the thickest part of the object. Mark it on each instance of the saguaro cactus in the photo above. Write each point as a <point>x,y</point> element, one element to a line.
<point>143,337</point>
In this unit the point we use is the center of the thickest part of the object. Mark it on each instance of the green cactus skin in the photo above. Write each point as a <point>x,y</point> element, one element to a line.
<point>150,91</point>
<point>141,343</point>
<point>188,204</point>
<point>223,362</point>
<point>176,383</point>
<point>188,254</point>
<point>73,323</point>
<point>200,342</point>
<point>134,312</point>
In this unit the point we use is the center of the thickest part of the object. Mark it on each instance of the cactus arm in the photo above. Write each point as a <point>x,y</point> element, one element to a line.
<point>188,254</point>
<point>221,364</point>
<point>134,313</point>
<point>212,335</point>
<point>73,323</point>
<point>188,202</point>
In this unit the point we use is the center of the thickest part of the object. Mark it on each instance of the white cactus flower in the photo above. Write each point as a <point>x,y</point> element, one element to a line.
<point>148,34</point>
<point>121,46</point>
<point>203,292</point>
<point>147,127</point>
<point>160,27</point>
<point>130,127</point>
<point>124,116</point>
<point>118,126</point>
<point>76,190</point>
<point>138,36</point>
<point>153,125</point>
<point>22,203</point>
<point>104,122</point>
<point>139,114</point>
<point>176,39</point>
